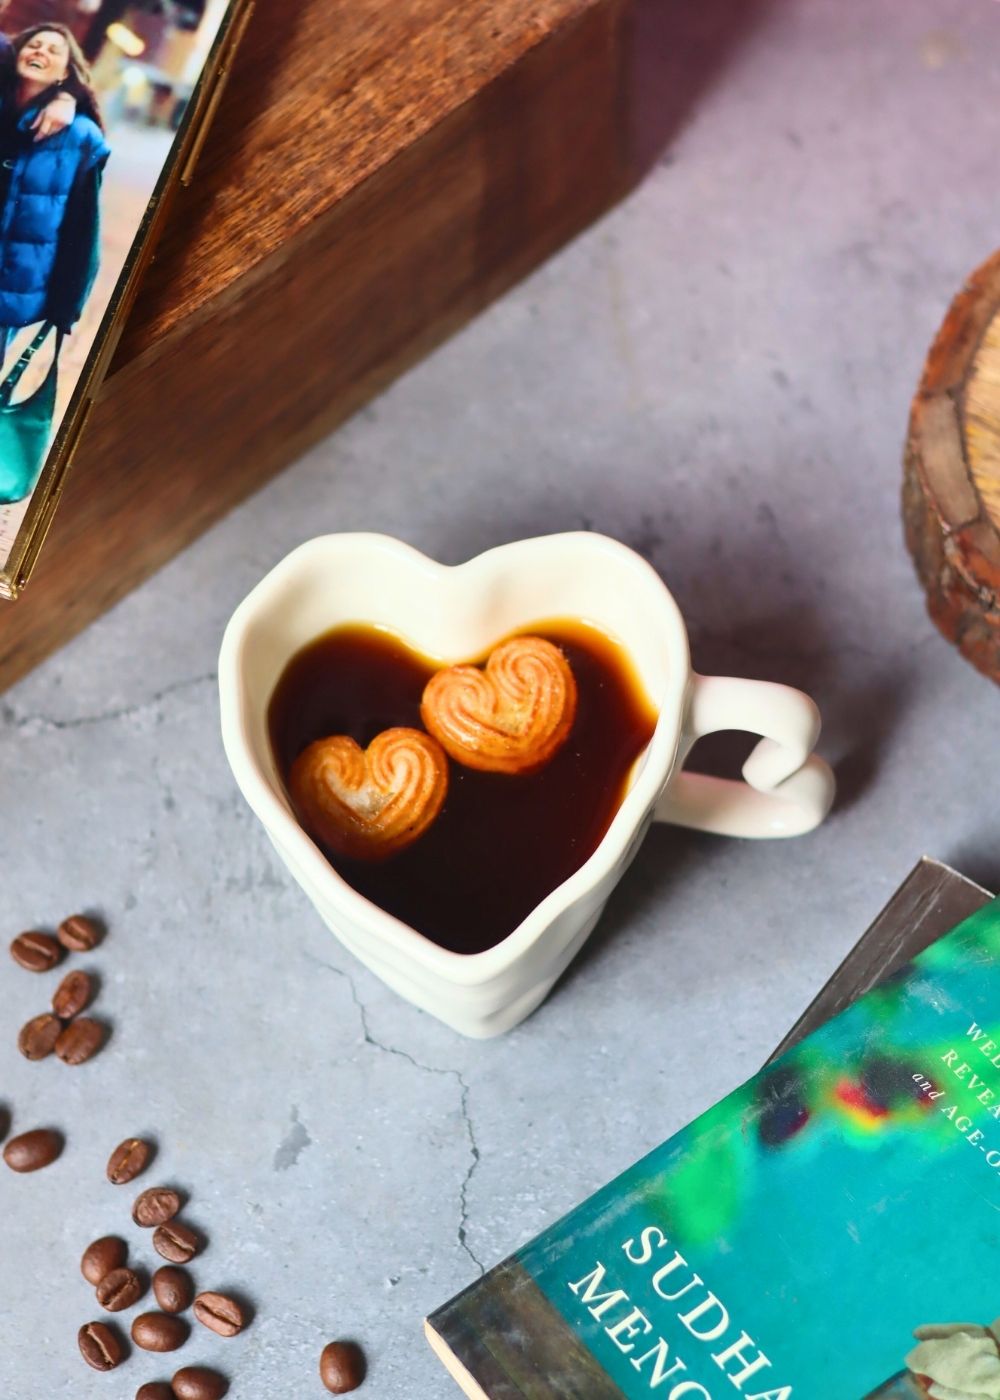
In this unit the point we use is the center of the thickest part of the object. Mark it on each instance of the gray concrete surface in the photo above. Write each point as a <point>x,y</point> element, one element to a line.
<point>719,374</point>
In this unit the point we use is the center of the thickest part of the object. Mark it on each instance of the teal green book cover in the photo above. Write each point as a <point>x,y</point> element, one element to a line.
<point>829,1231</point>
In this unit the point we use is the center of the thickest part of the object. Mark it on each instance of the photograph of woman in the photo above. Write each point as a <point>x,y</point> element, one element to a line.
<point>93,96</point>
<point>49,237</point>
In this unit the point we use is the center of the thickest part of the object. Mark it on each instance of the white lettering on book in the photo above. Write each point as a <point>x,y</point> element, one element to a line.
<point>984,1044</point>
<point>661,1355</point>
<point>631,1328</point>
<point>736,1352</point>
<point>603,1302</point>
<point>966,1074</point>
<point>700,1312</point>
<point>704,1317</point>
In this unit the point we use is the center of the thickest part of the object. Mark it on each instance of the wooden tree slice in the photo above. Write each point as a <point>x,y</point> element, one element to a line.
<point>951,478</point>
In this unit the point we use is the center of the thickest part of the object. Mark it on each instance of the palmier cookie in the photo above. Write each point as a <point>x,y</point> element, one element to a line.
<point>370,803</point>
<point>511,717</point>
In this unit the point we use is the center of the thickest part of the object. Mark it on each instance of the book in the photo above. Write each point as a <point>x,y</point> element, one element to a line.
<point>829,1230</point>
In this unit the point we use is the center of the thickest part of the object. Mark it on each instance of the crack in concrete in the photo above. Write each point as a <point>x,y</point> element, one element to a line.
<point>474,1153</point>
<point>45,724</point>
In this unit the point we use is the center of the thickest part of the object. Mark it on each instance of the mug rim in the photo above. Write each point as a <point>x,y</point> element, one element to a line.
<point>657,761</point>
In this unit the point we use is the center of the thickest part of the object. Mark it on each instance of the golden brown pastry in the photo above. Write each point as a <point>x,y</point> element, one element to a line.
<point>511,717</point>
<point>370,803</point>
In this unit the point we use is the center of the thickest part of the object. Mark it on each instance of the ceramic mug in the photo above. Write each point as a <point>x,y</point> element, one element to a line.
<point>455,612</point>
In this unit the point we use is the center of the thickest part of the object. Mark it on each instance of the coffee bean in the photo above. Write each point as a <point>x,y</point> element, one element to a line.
<point>176,1242</point>
<point>173,1289</point>
<point>100,1347</point>
<point>119,1290</point>
<point>159,1332</point>
<point>103,1256</point>
<point>38,1037</point>
<point>219,1314</point>
<point>129,1160</point>
<point>155,1206</point>
<point>30,1151</point>
<point>72,995</point>
<point>199,1383</point>
<point>154,1390</point>
<point>79,934</point>
<point>341,1367</point>
<point>80,1040</point>
<point>36,952</point>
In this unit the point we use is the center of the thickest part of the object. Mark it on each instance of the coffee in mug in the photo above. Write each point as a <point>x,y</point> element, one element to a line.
<point>517,818</point>
<point>462,610</point>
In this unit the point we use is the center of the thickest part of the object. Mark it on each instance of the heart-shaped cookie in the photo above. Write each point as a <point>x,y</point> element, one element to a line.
<point>370,803</point>
<point>511,717</point>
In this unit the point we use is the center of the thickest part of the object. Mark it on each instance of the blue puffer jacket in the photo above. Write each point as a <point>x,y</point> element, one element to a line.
<point>41,179</point>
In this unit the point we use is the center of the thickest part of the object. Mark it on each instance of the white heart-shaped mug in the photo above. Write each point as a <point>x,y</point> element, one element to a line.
<point>455,612</point>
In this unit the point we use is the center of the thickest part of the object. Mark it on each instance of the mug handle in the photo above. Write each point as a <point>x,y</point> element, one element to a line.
<point>788,789</point>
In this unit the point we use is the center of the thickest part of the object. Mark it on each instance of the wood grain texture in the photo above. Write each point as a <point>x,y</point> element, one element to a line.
<point>376,174</point>
<point>501,1339</point>
<point>951,480</point>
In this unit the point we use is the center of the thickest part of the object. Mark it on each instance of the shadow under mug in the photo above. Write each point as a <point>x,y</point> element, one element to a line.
<point>454,612</point>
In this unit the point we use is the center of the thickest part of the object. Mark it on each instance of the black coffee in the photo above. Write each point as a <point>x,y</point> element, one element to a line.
<point>501,843</point>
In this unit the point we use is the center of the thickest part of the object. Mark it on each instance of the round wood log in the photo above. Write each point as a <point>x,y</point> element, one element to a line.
<point>951,479</point>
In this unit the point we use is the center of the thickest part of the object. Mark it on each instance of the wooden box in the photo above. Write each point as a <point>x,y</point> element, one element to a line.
<point>376,173</point>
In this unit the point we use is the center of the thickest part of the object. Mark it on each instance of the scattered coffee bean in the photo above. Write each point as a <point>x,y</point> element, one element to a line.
<point>30,1151</point>
<point>219,1314</point>
<point>36,952</point>
<point>154,1390</point>
<point>173,1289</point>
<point>38,1037</point>
<point>159,1332</point>
<point>72,995</point>
<point>100,1347</point>
<point>341,1367</point>
<point>176,1242</point>
<point>199,1383</point>
<point>155,1206</point>
<point>79,934</point>
<point>80,1040</point>
<point>129,1159</point>
<point>119,1290</point>
<point>102,1257</point>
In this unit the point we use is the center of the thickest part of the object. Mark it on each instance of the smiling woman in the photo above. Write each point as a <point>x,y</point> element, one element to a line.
<point>49,239</point>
